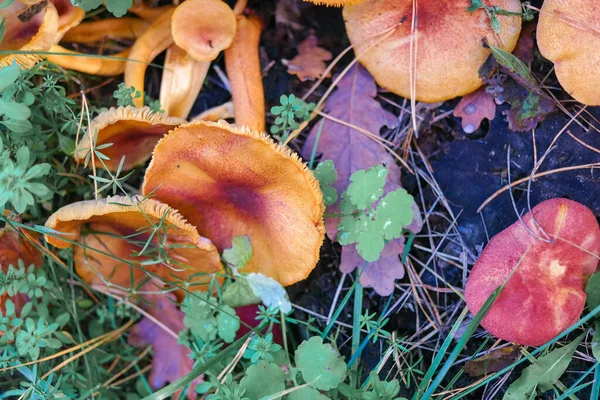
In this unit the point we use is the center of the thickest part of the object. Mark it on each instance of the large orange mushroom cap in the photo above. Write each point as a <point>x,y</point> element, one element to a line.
<point>230,181</point>
<point>133,132</point>
<point>112,232</point>
<point>546,293</point>
<point>28,28</point>
<point>448,49</point>
<point>203,28</point>
<point>568,35</point>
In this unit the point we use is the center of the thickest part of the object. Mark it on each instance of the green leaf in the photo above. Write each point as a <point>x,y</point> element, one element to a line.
<point>17,126</point>
<point>596,342</point>
<point>118,7</point>
<point>263,379</point>
<point>8,75</point>
<point>325,173</point>
<point>393,213</point>
<point>66,144</point>
<point>306,393</point>
<point>87,5</point>
<point>592,290</point>
<point>516,69</point>
<point>543,373</point>
<point>228,323</point>
<point>321,365</point>
<point>270,291</point>
<point>239,293</point>
<point>370,244</point>
<point>366,187</point>
<point>199,316</point>
<point>239,253</point>
<point>330,195</point>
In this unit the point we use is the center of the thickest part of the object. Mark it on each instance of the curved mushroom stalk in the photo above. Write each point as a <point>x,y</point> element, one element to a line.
<point>147,13</point>
<point>182,80</point>
<point>230,181</point>
<point>156,39</point>
<point>567,35</point>
<point>69,16</point>
<point>443,60</point>
<point>215,114</point>
<point>132,132</point>
<point>100,65</point>
<point>31,28</point>
<point>122,240</point>
<point>547,267</point>
<point>242,62</point>
<point>97,31</point>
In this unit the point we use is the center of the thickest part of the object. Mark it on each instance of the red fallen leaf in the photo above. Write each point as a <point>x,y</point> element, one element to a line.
<point>492,362</point>
<point>474,108</point>
<point>309,64</point>
<point>546,292</point>
<point>171,360</point>
<point>12,248</point>
<point>247,315</point>
<point>354,102</point>
<point>524,49</point>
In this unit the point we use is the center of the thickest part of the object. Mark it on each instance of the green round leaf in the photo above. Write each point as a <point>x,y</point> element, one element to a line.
<point>321,365</point>
<point>263,379</point>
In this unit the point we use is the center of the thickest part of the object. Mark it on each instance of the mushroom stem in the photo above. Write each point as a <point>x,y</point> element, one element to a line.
<point>181,82</point>
<point>242,63</point>
<point>96,31</point>
<point>154,41</point>
<point>240,6</point>
<point>96,65</point>
<point>147,13</point>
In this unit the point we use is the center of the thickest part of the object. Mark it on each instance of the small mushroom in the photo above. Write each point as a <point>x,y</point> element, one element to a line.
<point>242,63</point>
<point>447,51</point>
<point>28,28</point>
<point>133,133</point>
<point>231,181</point>
<point>111,238</point>
<point>76,61</point>
<point>547,267</point>
<point>96,31</point>
<point>182,80</point>
<point>568,35</point>
<point>156,39</point>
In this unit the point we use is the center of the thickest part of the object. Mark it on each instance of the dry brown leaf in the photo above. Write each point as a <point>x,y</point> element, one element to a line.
<point>493,361</point>
<point>474,108</point>
<point>309,64</point>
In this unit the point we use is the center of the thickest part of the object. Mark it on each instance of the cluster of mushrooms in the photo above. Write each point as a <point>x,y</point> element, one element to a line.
<point>200,202</point>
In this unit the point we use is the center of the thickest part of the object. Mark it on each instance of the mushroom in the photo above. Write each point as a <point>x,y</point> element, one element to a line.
<point>448,50</point>
<point>231,181</point>
<point>334,3</point>
<point>69,16</point>
<point>214,114</point>
<point>111,243</point>
<point>201,29</point>
<point>132,131</point>
<point>28,28</point>
<point>546,260</point>
<point>242,63</point>
<point>182,80</point>
<point>96,31</point>
<point>147,13</point>
<point>111,65</point>
<point>567,35</point>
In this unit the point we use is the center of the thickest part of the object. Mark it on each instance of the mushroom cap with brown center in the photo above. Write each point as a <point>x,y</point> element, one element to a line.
<point>110,234</point>
<point>133,133</point>
<point>231,181</point>
<point>568,34</point>
<point>28,28</point>
<point>448,49</point>
<point>546,292</point>
<point>203,28</point>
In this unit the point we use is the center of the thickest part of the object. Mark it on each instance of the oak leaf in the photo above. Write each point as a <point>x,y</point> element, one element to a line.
<point>474,108</point>
<point>309,64</point>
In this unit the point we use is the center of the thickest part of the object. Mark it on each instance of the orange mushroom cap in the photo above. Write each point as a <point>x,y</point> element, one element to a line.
<point>546,293</point>
<point>96,31</point>
<point>156,39</point>
<point>132,131</point>
<point>448,49</point>
<point>32,28</point>
<point>118,228</point>
<point>181,82</point>
<point>231,181</point>
<point>203,28</point>
<point>568,35</point>
<point>242,63</point>
<point>69,16</point>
